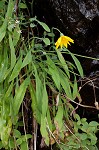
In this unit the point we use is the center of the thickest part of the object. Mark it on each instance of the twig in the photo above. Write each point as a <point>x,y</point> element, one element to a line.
<point>16,7</point>
<point>86,106</point>
<point>35,132</point>
<point>24,126</point>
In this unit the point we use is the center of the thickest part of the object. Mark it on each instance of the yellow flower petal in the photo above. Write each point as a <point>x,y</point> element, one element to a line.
<point>63,41</point>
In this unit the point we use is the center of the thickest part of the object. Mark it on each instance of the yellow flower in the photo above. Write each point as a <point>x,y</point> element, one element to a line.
<point>63,41</point>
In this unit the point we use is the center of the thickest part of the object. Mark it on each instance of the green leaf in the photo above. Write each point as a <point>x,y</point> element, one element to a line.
<point>24,146</point>
<point>91,147</point>
<point>1,145</point>
<point>1,5</point>
<point>19,141</point>
<point>94,124</point>
<point>39,89</point>
<point>5,133</point>
<point>20,95</point>
<point>16,133</point>
<point>46,28</point>
<point>65,84</point>
<point>33,97</point>
<point>93,139</point>
<point>32,25</point>
<point>63,62</point>
<point>27,59</point>
<point>4,61</point>
<point>85,127</point>
<point>7,17</point>
<point>44,101</point>
<point>33,19</point>
<point>22,5</point>
<point>58,120</point>
<point>49,120</point>
<point>83,120</point>
<point>75,89</point>
<point>53,71</point>
<point>7,94</point>
<point>51,34</point>
<point>35,110</point>
<point>2,34</point>
<point>16,69</point>
<point>83,136</point>
<point>13,56</point>
<point>11,26</point>
<point>78,65</point>
<point>43,129</point>
<point>46,41</point>
<point>26,137</point>
<point>77,117</point>
<point>16,35</point>
<point>91,129</point>
<point>11,143</point>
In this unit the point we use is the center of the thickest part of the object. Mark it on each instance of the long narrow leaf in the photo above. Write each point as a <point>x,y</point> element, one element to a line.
<point>63,63</point>
<point>27,59</point>
<point>75,89</point>
<point>58,120</point>
<point>44,101</point>
<point>43,129</point>
<point>46,28</point>
<point>49,120</point>
<point>16,35</point>
<point>36,112</point>
<point>78,65</point>
<point>13,56</point>
<point>7,17</point>
<point>39,89</point>
<point>20,96</point>
<point>16,69</point>
<point>53,71</point>
<point>65,82</point>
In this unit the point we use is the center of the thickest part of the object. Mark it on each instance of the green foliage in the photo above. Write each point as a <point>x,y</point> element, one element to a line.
<point>84,136</point>
<point>31,66</point>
